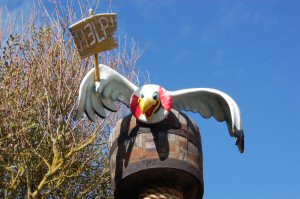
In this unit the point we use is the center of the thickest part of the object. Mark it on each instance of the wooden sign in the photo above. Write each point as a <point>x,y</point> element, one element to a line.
<point>95,34</point>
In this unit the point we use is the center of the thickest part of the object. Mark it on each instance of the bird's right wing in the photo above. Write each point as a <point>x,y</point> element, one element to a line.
<point>95,97</point>
<point>210,102</point>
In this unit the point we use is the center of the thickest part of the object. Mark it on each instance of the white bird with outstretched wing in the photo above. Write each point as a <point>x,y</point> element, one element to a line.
<point>152,103</point>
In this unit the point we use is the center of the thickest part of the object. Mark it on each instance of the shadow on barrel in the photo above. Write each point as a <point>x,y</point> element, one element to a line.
<point>168,153</point>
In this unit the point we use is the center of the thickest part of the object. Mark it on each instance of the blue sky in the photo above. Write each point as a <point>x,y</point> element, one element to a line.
<point>248,49</point>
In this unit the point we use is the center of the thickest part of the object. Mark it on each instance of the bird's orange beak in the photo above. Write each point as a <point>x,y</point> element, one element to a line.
<point>148,106</point>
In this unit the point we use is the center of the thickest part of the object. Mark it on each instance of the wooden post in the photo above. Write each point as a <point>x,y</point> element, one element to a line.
<point>96,61</point>
<point>161,160</point>
<point>97,69</point>
<point>95,34</point>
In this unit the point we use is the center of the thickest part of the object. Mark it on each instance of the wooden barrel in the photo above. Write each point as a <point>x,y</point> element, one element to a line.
<point>167,154</point>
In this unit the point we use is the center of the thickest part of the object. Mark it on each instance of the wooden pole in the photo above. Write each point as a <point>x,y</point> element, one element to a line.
<point>96,61</point>
<point>97,69</point>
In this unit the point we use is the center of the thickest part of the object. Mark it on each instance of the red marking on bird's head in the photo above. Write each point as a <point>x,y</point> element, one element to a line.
<point>165,98</point>
<point>134,106</point>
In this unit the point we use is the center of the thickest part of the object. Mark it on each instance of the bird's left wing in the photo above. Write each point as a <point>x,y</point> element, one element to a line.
<point>211,102</point>
<point>95,97</point>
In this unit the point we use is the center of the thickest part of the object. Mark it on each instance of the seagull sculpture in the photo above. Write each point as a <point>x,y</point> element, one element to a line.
<point>152,103</point>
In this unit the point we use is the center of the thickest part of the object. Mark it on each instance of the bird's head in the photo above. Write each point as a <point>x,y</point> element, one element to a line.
<point>150,104</point>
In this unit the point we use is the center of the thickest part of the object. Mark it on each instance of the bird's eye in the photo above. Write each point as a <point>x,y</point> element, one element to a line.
<point>142,95</point>
<point>155,96</point>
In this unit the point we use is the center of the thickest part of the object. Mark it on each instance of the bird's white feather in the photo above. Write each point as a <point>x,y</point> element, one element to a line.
<point>88,104</point>
<point>95,97</point>
<point>97,104</point>
<point>211,102</point>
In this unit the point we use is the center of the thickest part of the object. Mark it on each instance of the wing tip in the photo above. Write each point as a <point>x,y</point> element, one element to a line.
<point>240,142</point>
<point>78,114</point>
<point>92,117</point>
<point>100,115</point>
